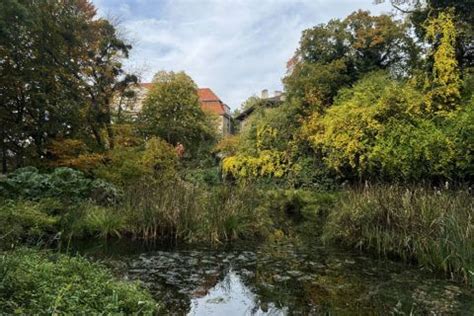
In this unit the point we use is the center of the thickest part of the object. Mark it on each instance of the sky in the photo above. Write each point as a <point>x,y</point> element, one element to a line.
<point>235,47</point>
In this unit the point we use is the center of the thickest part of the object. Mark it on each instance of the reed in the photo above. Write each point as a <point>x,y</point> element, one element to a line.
<point>180,210</point>
<point>433,227</point>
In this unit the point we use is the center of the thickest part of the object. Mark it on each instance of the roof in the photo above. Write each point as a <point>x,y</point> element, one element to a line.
<point>245,113</point>
<point>206,94</point>
<point>209,101</point>
<point>267,103</point>
<point>146,85</point>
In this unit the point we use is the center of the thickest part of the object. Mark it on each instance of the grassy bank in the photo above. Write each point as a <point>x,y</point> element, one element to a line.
<point>40,282</point>
<point>431,227</point>
<point>41,206</point>
<point>434,228</point>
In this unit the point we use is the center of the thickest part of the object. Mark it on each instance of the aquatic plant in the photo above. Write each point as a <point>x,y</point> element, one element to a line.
<point>179,210</point>
<point>433,227</point>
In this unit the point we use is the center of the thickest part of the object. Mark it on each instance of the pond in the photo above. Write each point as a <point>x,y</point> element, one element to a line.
<point>281,278</point>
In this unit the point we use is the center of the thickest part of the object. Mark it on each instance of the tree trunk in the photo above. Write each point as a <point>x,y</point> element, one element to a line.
<point>4,153</point>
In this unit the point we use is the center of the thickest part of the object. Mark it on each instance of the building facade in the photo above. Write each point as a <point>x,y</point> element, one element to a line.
<point>211,103</point>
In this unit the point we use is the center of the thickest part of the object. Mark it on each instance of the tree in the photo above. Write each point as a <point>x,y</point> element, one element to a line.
<point>171,111</point>
<point>59,66</point>
<point>338,53</point>
<point>381,129</point>
<point>39,50</point>
<point>420,12</point>
<point>103,77</point>
<point>444,82</point>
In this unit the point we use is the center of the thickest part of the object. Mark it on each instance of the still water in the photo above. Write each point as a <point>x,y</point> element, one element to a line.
<point>281,278</point>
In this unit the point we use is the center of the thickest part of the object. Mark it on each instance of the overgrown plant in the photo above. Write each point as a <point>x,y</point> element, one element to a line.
<point>38,282</point>
<point>183,211</point>
<point>433,227</point>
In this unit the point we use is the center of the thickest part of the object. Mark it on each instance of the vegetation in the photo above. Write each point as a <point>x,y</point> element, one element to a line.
<point>171,111</point>
<point>434,227</point>
<point>362,106</point>
<point>366,101</point>
<point>38,282</point>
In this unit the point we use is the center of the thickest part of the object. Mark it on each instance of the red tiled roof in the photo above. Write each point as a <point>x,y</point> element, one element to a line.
<point>146,85</point>
<point>206,94</point>
<point>210,102</point>
<point>213,106</point>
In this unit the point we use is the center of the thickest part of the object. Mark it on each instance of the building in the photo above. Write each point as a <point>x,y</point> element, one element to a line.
<point>209,101</point>
<point>266,101</point>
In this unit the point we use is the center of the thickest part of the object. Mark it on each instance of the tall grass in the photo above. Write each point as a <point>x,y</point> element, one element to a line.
<point>162,210</point>
<point>178,210</point>
<point>432,227</point>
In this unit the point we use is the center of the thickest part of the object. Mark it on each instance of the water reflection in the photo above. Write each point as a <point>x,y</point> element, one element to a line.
<point>285,279</point>
<point>230,297</point>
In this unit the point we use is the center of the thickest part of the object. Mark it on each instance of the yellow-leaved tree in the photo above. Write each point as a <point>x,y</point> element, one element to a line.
<point>444,82</point>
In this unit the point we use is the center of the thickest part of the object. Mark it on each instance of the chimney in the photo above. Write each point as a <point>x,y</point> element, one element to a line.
<point>264,94</point>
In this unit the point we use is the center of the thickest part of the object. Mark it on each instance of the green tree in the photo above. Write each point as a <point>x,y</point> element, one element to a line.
<point>171,111</point>
<point>381,129</point>
<point>346,133</point>
<point>336,54</point>
<point>59,67</point>
<point>420,12</point>
<point>103,77</point>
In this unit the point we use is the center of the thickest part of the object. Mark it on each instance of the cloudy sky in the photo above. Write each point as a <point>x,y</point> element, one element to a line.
<point>235,47</point>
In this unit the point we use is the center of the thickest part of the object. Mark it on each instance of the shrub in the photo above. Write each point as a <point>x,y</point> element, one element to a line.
<point>127,165</point>
<point>411,151</point>
<point>380,129</point>
<point>346,133</point>
<point>73,153</point>
<point>227,146</point>
<point>25,220</point>
<point>62,183</point>
<point>435,228</point>
<point>203,176</point>
<point>35,282</point>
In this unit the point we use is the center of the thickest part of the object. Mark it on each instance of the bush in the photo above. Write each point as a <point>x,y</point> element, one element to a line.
<point>380,129</point>
<point>25,221</point>
<point>73,153</point>
<point>411,151</point>
<point>62,183</point>
<point>203,176</point>
<point>434,228</point>
<point>35,282</point>
<point>128,165</point>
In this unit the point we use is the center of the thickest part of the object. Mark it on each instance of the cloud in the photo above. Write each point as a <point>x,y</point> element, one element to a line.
<point>235,47</point>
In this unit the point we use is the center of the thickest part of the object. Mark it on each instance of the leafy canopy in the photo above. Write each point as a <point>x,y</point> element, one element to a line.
<point>171,111</point>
